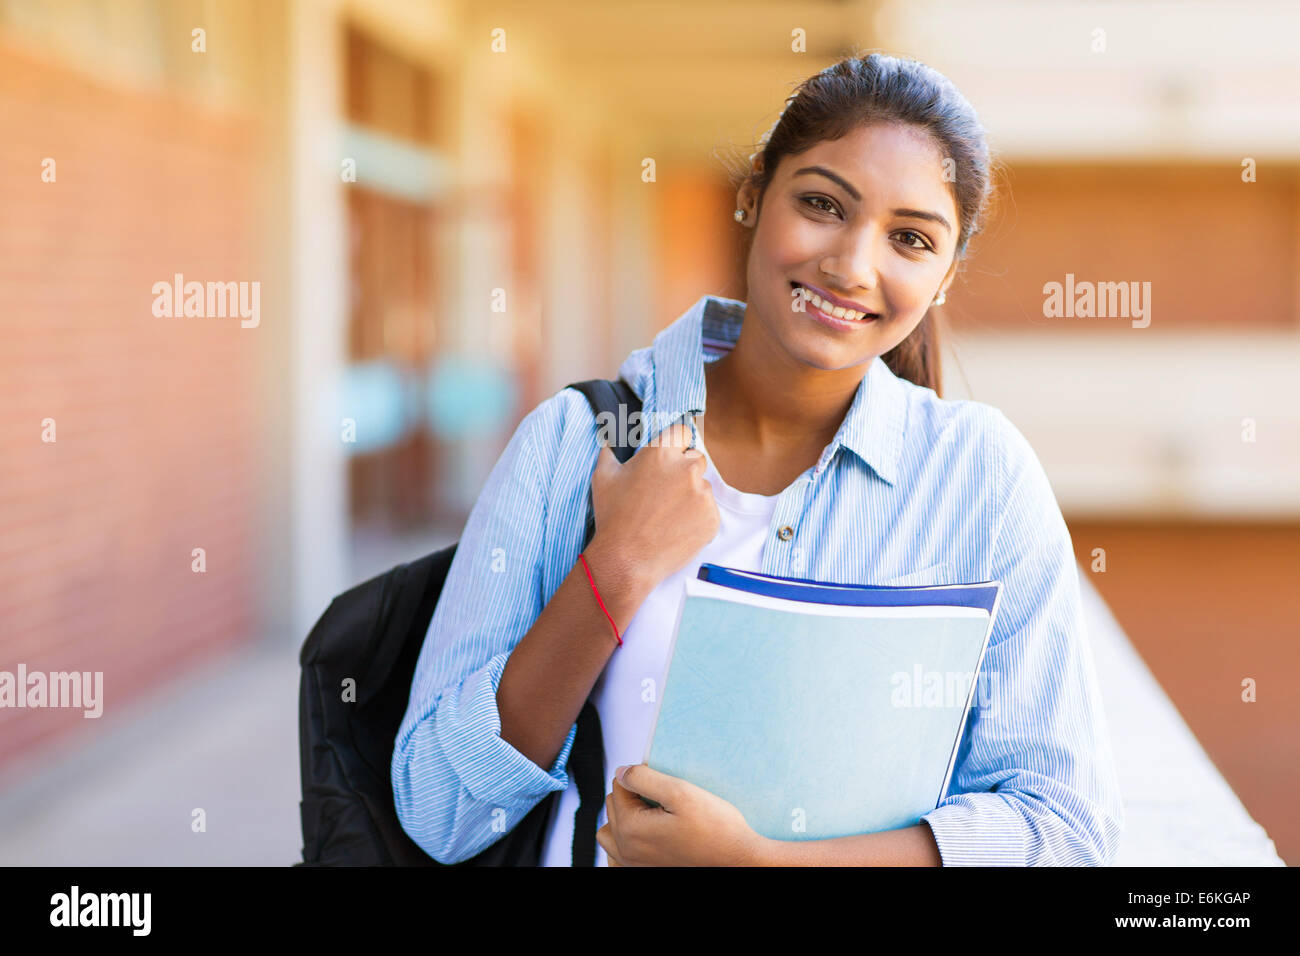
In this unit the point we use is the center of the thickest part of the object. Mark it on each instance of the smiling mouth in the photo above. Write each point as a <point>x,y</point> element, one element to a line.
<point>832,311</point>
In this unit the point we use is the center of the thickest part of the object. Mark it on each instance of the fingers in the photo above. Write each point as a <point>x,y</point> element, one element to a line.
<point>675,436</point>
<point>639,781</point>
<point>607,465</point>
<point>606,841</point>
<point>681,436</point>
<point>622,798</point>
<point>671,446</point>
<point>677,439</point>
<point>611,812</point>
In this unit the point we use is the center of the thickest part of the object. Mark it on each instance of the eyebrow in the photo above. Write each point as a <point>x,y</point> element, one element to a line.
<point>857,197</point>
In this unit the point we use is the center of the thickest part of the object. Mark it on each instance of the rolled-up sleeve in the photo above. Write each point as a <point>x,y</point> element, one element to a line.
<point>1034,781</point>
<point>457,785</point>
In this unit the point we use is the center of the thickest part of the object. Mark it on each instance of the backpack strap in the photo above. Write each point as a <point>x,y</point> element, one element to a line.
<point>617,398</point>
<point>587,758</point>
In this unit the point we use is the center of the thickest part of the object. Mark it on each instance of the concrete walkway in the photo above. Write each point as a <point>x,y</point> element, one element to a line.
<point>224,739</point>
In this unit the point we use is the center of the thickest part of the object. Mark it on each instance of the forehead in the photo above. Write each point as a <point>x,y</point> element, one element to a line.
<point>889,163</point>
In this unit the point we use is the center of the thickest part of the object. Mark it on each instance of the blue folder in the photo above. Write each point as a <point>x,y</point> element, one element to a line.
<point>820,709</point>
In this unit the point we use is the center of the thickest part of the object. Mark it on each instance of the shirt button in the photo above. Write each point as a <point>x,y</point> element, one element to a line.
<point>786,533</point>
<point>796,559</point>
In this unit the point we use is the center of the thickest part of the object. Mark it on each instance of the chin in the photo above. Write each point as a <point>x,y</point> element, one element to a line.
<point>828,356</point>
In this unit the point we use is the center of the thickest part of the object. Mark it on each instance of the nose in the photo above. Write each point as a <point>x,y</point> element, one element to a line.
<point>854,266</point>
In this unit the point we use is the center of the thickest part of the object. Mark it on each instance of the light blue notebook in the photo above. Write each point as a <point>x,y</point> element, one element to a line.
<point>820,710</point>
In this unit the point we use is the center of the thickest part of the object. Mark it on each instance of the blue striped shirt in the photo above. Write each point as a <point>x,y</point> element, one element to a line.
<point>913,489</point>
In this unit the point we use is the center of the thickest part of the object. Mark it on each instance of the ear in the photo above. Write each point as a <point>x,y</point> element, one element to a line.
<point>948,276</point>
<point>745,199</point>
<point>747,195</point>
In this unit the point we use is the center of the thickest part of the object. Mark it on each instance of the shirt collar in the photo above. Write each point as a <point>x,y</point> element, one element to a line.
<point>872,429</point>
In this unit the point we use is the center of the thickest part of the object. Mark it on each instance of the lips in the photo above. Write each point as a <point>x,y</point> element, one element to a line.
<point>829,302</point>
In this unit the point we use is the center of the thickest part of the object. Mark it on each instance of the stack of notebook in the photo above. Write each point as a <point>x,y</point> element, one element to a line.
<point>820,710</point>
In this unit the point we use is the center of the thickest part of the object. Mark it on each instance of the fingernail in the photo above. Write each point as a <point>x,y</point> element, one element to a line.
<point>618,773</point>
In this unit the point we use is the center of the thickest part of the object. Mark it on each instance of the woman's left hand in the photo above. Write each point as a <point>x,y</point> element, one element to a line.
<point>690,827</point>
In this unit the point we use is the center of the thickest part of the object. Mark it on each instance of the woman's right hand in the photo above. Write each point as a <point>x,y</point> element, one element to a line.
<point>657,511</point>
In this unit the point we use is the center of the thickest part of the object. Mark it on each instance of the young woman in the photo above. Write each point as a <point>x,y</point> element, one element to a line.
<point>806,437</point>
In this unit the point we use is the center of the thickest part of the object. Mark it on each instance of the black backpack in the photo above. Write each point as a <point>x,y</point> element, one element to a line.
<point>373,634</point>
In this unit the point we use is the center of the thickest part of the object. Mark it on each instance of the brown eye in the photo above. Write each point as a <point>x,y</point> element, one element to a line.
<point>815,199</point>
<point>911,232</point>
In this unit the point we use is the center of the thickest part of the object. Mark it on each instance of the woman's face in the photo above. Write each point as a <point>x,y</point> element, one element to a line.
<point>858,219</point>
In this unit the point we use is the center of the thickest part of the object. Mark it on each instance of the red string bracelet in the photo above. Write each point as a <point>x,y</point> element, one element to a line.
<point>602,603</point>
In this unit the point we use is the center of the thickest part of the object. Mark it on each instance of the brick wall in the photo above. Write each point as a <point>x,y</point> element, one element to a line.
<point>1217,251</point>
<point>1207,604</point>
<point>155,417</point>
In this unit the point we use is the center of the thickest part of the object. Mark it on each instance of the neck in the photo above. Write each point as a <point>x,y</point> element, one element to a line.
<point>761,396</point>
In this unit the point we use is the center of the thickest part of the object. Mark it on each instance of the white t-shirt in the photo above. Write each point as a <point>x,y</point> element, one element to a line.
<point>626,691</point>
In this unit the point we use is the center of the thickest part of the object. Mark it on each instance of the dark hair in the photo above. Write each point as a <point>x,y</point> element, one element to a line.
<point>879,88</point>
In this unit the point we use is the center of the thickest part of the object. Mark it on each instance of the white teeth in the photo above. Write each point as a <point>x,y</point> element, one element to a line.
<point>838,311</point>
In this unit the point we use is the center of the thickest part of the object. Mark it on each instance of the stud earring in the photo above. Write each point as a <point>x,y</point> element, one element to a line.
<point>942,298</point>
<point>740,215</point>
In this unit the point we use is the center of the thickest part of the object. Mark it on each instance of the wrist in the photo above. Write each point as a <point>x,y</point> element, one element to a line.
<point>619,581</point>
<point>764,851</point>
<point>618,571</point>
